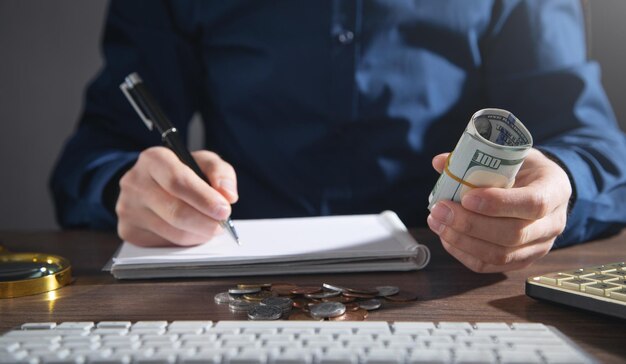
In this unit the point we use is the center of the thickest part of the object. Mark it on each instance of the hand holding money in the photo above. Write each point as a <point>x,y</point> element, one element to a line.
<point>496,229</point>
<point>489,154</point>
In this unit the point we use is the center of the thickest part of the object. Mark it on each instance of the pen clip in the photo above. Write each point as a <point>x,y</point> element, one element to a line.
<point>125,87</point>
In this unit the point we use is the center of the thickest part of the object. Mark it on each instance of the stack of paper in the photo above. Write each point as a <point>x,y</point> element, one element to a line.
<point>353,243</point>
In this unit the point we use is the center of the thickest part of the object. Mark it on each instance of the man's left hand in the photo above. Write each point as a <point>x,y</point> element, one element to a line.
<point>498,229</point>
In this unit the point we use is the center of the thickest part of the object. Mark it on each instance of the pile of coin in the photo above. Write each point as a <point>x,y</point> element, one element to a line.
<point>326,302</point>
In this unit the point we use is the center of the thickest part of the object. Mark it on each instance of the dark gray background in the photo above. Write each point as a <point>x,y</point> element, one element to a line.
<point>49,50</point>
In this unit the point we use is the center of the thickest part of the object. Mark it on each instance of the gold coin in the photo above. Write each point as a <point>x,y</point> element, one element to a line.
<point>302,316</point>
<point>259,296</point>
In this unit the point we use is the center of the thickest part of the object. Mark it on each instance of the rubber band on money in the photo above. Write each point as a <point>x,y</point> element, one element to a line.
<point>461,181</point>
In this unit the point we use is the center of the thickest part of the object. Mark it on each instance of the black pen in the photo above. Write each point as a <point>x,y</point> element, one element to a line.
<point>151,114</point>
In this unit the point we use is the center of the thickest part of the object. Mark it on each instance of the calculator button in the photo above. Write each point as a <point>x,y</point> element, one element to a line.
<point>619,294</point>
<point>600,277</point>
<point>601,289</point>
<point>577,283</point>
<point>554,279</point>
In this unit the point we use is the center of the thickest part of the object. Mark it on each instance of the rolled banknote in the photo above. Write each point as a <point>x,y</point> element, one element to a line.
<point>489,154</point>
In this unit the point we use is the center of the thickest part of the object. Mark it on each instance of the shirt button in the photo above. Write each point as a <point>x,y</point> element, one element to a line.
<point>345,37</point>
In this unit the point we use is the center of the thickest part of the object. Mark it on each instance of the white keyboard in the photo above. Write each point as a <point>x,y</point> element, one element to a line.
<point>287,342</point>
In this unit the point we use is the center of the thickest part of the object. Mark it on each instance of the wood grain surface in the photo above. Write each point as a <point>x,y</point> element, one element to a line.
<point>447,291</point>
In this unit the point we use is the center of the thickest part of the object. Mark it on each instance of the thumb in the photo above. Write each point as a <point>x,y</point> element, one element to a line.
<point>439,161</point>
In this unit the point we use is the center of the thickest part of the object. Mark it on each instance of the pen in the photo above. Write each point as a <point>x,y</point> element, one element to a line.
<point>151,114</point>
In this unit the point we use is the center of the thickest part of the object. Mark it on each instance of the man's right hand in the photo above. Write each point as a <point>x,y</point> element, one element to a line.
<point>163,202</point>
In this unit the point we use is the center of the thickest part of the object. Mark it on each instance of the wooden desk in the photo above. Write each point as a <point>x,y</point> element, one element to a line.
<point>447,291</point>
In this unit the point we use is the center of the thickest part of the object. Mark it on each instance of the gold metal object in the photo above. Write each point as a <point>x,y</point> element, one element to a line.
<point>44,272</point>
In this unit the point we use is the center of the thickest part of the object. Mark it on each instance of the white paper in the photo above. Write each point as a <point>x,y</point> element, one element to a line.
<point>291,239</point>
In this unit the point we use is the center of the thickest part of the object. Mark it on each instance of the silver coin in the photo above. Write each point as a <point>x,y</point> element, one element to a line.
<point>328,309</point>
<point>264,313</point>
<point>373,304</point>
<point>240,291</point>
<point>333,287</point>
<point>384,291</point>
<point>320,295</point>
<point>285,303</point>
<point>222,298</point>
<point>239,305</point>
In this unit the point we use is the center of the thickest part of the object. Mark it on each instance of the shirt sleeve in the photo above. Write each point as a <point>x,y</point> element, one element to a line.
<point>139,36</point>
<point>536,66</point>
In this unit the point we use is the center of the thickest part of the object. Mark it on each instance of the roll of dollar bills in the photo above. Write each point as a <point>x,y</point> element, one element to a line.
<point>489,154</point>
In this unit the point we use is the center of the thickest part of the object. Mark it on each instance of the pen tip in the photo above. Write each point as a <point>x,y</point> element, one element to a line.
<point>233,232</point>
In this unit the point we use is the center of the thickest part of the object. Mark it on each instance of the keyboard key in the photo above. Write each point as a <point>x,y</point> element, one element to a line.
<point>9,360</point>
<point>113,325</point>
<point>54,360</point>
<point>40,345</point>
<point>336,330</point>
<point>519,357</point>
<point>39,326</point>
<point>322,345</point>
<point>428,356</point>
<point>455,325</point>
<point>149,325</point>
<point>336,355</point>
<point>249,357</point>
<point>563,358</point>
<point>83,325</point>
<point>383,356</point>
<point>470,356</point>
<point>492,326</point>
<point>148,330</point>
<point>110,360</point>
<point>109,331</point>
<point>529,326</point>
<point>207,356</point>
<point>293,357</point>
<point>450,332</point>
<point>407,326</point>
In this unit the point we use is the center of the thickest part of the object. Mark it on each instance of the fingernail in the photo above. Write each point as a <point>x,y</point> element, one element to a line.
<point>221,212</point>
<point>442,213</point>
<point>435,225</point>
<point>473,203</point>
<point>228,185</point>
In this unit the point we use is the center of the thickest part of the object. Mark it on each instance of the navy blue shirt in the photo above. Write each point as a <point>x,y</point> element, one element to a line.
<point>337,107</point>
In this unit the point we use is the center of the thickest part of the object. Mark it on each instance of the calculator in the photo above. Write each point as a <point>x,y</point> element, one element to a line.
<point>600,288</point>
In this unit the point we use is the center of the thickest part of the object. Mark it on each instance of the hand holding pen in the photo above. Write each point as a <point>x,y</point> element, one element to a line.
<point>171,196</point>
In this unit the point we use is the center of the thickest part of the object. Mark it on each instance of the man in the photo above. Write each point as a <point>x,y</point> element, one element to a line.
<point>337,107</point>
